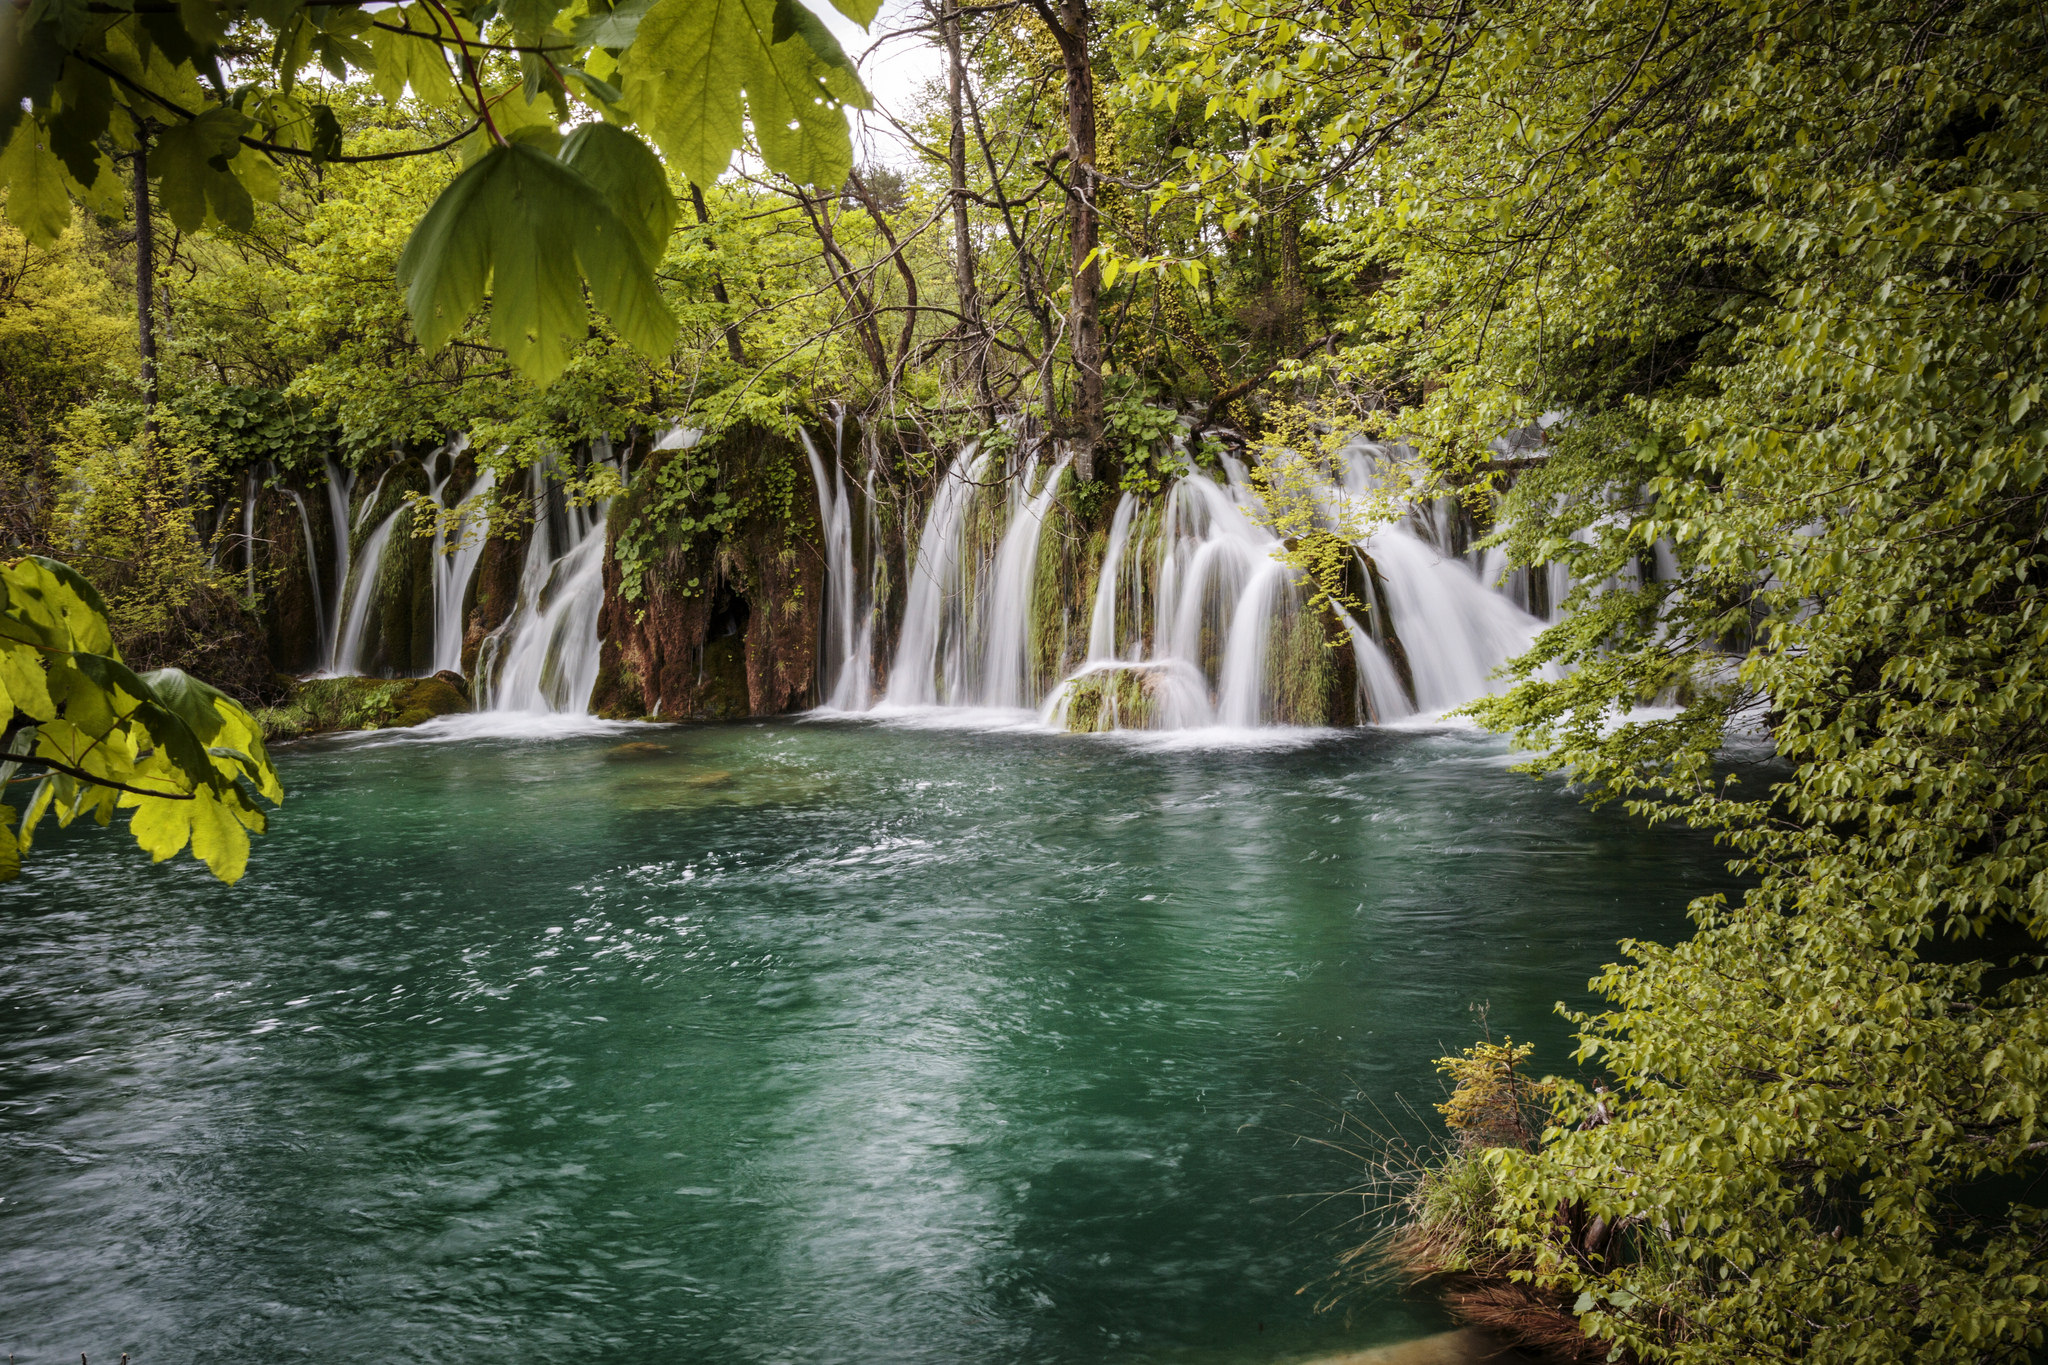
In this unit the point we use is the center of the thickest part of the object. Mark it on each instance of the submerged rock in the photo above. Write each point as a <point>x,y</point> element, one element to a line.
<point>638,748</point>
<point>1467,1346</point>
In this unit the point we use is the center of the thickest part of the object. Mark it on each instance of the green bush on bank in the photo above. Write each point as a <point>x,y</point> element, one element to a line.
<point>1777,273</point>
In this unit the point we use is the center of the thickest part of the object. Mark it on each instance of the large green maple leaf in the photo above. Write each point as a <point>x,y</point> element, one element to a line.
<point>698,68</point>
<point>530,227</point>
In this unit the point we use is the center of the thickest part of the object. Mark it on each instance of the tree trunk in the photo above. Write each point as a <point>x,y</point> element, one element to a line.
<point>974,341</point>
<point>1085,323</point>
<point>859,306</point>
<point>1084,314</point>
<point>145,284</point>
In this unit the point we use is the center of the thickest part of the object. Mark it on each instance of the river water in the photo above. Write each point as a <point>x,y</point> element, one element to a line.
<point>801,1042</point>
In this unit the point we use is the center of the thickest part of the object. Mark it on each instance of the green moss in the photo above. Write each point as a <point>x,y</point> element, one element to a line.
<point>328,704</point>
<point>1311,682</point>
<point>1112,699</point>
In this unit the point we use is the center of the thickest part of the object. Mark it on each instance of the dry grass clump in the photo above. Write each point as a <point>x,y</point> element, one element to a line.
<point>1441,1199</point>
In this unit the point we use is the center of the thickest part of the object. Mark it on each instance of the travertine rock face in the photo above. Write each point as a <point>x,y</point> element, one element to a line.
<point>728,623</point>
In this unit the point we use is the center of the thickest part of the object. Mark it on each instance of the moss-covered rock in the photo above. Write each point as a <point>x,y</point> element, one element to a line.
<point>423,700</point>
<point>1123,698</point>
<point>732,581</point>
<point>322,705</point>
<point>1311,671</point>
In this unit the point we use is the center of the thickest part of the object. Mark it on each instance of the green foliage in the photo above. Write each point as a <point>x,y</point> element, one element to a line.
<point>1779,273</point>
<point>95,737</point>
<point>63,341</point>
<point>1142,433</point>
<point>1318,537</point>
<point>510,220</point>
<point>532,227</point>
<point>691,64</point>
<point>243,427</point>
<point>677,503</point>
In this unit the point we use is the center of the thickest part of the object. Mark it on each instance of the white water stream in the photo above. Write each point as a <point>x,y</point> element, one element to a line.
<point>545,656</point>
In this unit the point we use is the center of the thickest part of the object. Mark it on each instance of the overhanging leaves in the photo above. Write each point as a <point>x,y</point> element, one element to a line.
<point>529,228</point>
<point>697,67</point>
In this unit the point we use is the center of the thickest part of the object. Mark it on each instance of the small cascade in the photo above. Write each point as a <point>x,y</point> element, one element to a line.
<point>935,612</point>
<point>359,597</point>
<point>847,665</point>
<point>341,485</point>
<point>1005,618</point>
<point>249,487</point>
<point>1102,621</point>
<point>312,571</point>
<point>454,565</point>
<point>545,656</point>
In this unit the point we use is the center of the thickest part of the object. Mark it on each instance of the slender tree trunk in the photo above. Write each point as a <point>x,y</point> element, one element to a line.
<point>1069,26</point>
<point>145,285</point>
<point>975,341</point>
<point>733,347</point>
<point>859,306</point>
<point>1085,312</point>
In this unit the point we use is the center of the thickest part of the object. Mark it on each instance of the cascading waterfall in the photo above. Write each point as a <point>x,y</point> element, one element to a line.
<point>935,612</point>
<point>1191,621</point>
<point>340,485</point>
<point>545,656</point>
<point>1102,621</point>
<point>249,487</point>
<point>458,543</point>
<point>1005,677</point>
<point>359,596</point>
<point>1200,651</point>
<point>312,572</point>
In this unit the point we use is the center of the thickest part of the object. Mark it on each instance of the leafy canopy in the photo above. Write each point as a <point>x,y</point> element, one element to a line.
<point>212,91</point>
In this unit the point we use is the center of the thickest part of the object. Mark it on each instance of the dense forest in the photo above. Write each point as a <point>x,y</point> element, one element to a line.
<point>1718,325</point>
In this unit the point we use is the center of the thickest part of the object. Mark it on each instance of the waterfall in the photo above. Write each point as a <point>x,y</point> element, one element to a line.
<point>361,597</point>
<point>1005,677</point>
<point>312,573</point>
<point>545,656</point>
<point>847,667</point>
<point>1468,630</point>
<point>340,485</point>
<point>935,611</point>
<point>1187,610</point>
<point>249,532</point>
<point>452,568</point>
<point>1102,622</point>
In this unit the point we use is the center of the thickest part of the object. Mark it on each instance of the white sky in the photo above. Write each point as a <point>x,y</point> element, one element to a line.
<point>892,72</point>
